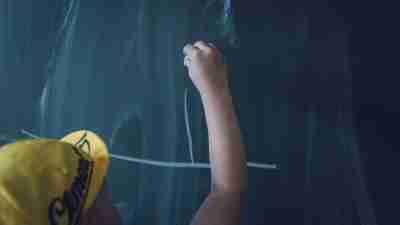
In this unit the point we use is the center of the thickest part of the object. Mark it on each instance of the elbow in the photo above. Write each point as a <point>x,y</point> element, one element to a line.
<point>234,182</point>
<point>236,189</point>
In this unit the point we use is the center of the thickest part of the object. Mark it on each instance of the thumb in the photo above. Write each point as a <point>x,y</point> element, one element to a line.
<point>186,61</point>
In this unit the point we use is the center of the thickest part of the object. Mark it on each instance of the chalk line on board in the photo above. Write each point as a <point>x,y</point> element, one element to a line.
<point>172,164</point>
<point>29,134</point>
<point>186,165</point>
<point>188,133</point>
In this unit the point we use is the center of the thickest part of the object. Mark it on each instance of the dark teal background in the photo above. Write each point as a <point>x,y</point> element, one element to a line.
<point>116,68</point>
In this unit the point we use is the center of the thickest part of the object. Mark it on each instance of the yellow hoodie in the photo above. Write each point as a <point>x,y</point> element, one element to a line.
<point>51,182</point>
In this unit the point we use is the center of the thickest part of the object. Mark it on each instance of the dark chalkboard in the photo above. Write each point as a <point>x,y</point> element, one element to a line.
<point>116,68</point>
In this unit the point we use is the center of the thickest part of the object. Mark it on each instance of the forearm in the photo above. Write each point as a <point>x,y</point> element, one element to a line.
<point>227,152</point>
<point>226,202</point>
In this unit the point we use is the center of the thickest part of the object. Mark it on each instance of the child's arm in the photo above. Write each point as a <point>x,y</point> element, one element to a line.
<point>209,74</point>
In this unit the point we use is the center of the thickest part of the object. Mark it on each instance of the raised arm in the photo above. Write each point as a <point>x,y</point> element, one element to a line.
<point>227,200</point>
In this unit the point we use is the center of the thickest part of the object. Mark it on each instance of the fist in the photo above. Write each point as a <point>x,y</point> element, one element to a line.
<point>206,68</point>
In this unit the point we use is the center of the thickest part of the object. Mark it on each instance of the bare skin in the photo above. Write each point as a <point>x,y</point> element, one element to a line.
<point>226,201</point>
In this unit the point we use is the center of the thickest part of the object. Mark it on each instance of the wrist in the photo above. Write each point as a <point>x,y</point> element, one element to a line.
<point>220,96</point>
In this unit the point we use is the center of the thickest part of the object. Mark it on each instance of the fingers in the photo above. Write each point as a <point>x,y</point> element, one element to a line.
<point>212,46</point>
<point>190,50</point>
<point>186,61</point>
<point>202,46</point>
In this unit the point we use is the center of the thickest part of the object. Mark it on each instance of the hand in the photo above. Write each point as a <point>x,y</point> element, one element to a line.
<point>207,69</point>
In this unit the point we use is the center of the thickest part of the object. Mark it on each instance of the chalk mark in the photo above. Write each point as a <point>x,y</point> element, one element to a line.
<point>172,164</point>
<point>186,165</point>
<point>188,133</point>
<point>29,134</point>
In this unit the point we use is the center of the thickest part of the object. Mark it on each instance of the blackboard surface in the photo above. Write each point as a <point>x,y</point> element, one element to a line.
<point>116,68</point>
